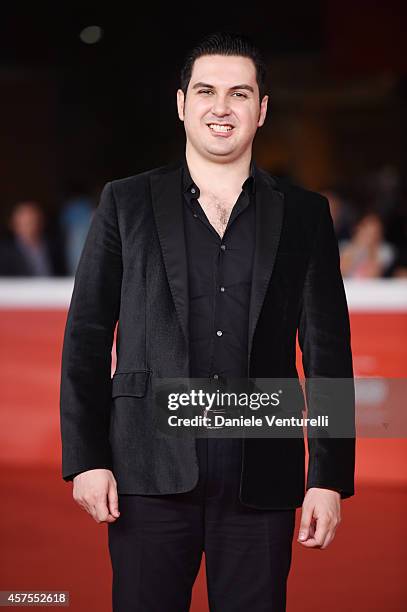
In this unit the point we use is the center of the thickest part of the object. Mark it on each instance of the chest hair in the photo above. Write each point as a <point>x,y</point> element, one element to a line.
<point>217,210</point>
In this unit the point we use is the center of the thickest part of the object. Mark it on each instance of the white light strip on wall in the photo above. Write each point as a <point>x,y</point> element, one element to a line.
<point>35,292</point>
<point>362,295</point>
<point>377,295</point>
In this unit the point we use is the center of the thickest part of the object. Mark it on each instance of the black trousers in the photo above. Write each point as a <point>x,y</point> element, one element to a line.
<point>157,542</point>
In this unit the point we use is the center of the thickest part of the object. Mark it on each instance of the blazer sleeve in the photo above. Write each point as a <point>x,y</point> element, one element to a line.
<point>85,389</point>
<point>325,341</point>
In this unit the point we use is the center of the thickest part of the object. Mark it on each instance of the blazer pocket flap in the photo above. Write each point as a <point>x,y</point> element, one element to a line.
<point>130,384</point>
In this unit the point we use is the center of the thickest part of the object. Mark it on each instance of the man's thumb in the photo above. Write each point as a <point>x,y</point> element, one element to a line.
<point>305,524</point>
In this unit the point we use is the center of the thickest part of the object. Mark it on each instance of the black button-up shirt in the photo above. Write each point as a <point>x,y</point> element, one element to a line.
<point>219,276</point>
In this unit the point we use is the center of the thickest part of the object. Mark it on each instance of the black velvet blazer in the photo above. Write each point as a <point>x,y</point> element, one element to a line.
<point>133,271</point>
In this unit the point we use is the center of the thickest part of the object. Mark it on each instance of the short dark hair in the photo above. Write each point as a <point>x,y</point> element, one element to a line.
<point>226,43</point>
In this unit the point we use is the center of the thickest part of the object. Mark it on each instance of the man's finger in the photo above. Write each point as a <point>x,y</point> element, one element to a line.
<point>320,534</point>
<point>306,518</point>
<point>330,536</point>
<point>113,500</point>
<point>312,528</point>
<point>102,513</point>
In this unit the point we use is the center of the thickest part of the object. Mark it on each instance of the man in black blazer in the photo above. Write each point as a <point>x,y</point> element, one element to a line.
<point>209,266</point>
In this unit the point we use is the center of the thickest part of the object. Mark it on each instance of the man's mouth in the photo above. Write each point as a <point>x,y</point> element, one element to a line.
<point>220,127</point>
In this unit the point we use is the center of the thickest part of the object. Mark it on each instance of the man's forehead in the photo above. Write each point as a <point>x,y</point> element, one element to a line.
<point>223,70</point>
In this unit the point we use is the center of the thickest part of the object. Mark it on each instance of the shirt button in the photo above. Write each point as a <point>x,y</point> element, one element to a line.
<point>193,190</point>
<point>219,332</point>
<point>216,376</point>
<point>223,247</point>
<point>195,215</point>
<point>222,288</point>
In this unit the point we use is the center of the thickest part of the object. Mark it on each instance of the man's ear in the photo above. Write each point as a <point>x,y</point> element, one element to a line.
<point>180,104</point>
<point>263,111</point>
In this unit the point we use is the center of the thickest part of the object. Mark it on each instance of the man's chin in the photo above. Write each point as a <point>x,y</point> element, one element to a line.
<point>220,151</point>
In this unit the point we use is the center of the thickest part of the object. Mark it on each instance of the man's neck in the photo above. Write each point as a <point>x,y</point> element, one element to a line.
<point>226,177</point>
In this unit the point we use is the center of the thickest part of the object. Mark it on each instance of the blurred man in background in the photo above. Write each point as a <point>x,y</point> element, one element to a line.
<point>28,250</point>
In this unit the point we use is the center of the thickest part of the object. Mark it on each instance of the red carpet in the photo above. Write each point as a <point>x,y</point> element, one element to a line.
<point>49,543</point>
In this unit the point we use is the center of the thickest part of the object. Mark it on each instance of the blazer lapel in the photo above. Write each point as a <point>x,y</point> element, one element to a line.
<point>269,220</point>
<point>167,205</point>
<point>168,211</point>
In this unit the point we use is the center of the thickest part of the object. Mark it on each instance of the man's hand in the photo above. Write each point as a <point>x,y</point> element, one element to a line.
<point>321,513</point>
<point>96,492</point>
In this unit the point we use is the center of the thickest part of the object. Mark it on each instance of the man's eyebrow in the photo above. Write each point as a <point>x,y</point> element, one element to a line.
<point>200,84</point>
<point>242,86</point>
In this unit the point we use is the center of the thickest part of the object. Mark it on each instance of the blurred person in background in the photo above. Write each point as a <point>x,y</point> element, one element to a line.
<point>397,234</point>
<point>366,254</point>
<point>383,188</point>
<point>341,212</point>
<point>399,267</point>
<point>75,218</point>
<point>29,250</point>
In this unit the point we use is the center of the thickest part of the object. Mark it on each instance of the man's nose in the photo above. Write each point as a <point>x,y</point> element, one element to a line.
<point>221,106</point>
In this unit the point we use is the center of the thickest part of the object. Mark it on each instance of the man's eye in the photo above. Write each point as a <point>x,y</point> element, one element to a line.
<point>239,94</point>
<point>205,91</point>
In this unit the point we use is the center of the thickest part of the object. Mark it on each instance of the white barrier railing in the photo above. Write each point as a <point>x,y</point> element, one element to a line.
<point>42,293</point>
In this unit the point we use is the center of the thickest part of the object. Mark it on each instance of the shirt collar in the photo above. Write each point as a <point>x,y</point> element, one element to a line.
<point>188,184</point>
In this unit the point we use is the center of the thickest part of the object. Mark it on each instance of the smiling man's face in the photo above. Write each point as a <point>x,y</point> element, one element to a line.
<point>221,110</point>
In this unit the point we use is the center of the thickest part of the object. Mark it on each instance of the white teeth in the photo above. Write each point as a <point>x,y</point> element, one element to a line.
<point>220,128</point>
